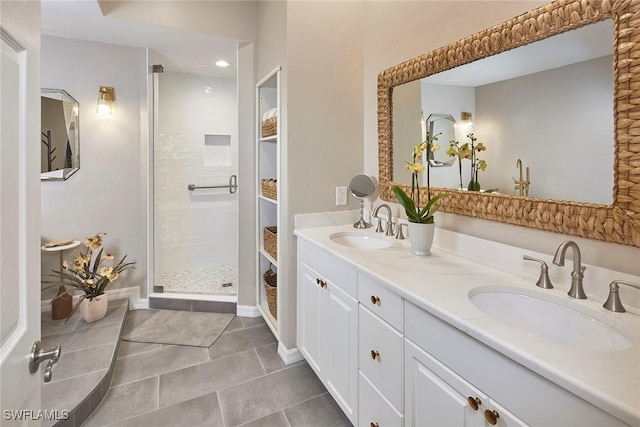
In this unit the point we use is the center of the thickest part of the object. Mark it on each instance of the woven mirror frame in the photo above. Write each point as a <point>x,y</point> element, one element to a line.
<point>618,222</point>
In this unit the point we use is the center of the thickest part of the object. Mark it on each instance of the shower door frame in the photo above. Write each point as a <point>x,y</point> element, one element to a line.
<point>152,87</point>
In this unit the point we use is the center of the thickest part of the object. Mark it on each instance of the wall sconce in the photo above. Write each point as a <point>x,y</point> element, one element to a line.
<point>106,96</point>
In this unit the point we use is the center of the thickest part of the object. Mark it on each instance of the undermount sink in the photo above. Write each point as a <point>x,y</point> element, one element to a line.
<point>552,317</point>
<point>360,240</point>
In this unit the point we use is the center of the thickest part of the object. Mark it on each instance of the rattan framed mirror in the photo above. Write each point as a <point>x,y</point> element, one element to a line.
<point>618,222</point>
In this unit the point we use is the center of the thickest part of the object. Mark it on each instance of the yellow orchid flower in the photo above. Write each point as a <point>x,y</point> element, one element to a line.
<point>414,167</point>
<point>80,261</point>
<point>95,242</point>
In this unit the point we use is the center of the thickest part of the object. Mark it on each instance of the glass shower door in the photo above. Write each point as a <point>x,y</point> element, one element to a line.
<point>195,230</point>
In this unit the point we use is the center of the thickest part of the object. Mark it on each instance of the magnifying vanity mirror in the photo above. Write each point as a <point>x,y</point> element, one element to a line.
<point>362,187</point>
<point>59,139</point>
<point>552,90</point>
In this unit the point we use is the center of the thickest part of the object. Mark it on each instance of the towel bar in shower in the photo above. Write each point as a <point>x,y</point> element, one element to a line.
<point>232,186</point>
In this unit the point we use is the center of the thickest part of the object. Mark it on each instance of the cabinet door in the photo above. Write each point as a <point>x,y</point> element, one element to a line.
<point>436,396</point>
<point>312,302</point>
<point>341,367</point>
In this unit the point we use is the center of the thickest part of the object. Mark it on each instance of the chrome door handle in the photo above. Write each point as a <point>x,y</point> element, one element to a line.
<point>40,354</point>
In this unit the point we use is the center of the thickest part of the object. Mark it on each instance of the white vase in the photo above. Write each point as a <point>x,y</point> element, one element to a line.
<point>421,236</point>
<point>94,309</point>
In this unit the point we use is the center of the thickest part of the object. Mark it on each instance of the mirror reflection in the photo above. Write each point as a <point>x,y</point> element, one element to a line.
<point>532,110</point>
<point>59,138</point>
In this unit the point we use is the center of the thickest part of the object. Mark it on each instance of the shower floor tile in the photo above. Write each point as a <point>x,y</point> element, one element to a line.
<point>220,280</point>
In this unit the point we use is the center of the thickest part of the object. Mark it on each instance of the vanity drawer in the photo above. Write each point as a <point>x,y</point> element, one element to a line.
<point>380,355</point>
<point>380,300</point>
<point>331,267</point>
<point>375,410</point>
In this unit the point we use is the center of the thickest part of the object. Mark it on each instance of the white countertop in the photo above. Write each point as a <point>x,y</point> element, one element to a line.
<point>440,284</point>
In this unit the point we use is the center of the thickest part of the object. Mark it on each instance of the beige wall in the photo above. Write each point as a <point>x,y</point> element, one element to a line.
<point>323,93</point>
<point>104,195</point>
<point>398,30</point>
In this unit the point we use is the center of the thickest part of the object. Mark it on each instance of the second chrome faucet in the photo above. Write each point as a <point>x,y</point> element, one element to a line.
<point>577,290</point>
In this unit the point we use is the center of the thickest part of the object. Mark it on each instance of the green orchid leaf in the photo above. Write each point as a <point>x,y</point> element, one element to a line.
<point>429,209</point>
<point>406,202</point>
<point>97,261</point>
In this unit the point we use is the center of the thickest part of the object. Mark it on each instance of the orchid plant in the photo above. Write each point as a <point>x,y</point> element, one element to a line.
<point>88,273</point>
<point>416,213</point>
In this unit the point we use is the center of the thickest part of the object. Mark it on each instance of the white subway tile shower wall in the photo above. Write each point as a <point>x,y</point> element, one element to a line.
<point>194,230</point>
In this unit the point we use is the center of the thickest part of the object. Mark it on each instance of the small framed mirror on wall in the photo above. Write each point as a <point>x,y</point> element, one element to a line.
<point>60,135</point>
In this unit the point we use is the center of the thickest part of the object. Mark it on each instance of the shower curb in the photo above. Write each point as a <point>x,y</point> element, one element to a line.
<point>182,304</point>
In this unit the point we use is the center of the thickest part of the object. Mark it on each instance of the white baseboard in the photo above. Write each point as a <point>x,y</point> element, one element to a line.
<point>289,356</point>
<point>140,304</point>
<point>131,293</point>
<point>247,311</point>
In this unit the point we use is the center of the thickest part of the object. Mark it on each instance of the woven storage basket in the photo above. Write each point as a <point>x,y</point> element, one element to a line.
<point>270,281</point>
<point>270,188</point>
<point>269,127</point>
<point>271,241</point>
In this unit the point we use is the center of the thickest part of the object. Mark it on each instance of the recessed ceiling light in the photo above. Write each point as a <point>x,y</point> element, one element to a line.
<point>222,63</point>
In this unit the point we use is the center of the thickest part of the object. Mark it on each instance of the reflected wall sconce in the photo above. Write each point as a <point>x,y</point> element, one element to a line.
<point>464,127</point>
<point>106,97</point>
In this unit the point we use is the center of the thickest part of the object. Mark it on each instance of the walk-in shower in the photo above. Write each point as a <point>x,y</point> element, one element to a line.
<point>194,180</point>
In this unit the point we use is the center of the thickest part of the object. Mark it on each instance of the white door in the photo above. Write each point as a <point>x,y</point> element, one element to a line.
<point>19,210</point>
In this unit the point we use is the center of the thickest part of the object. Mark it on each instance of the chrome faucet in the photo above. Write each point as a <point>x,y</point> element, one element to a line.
<point>389,223</point>
<point>576,291</point>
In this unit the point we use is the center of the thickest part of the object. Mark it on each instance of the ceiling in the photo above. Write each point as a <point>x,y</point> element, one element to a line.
<point>178,50</point>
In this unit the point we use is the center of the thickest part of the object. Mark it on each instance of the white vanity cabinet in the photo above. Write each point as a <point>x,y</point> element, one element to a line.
<point>328,323</point>
<point>389,362</point>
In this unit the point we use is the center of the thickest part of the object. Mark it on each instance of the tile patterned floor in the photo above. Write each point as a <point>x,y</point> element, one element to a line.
<point>239,381</point>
